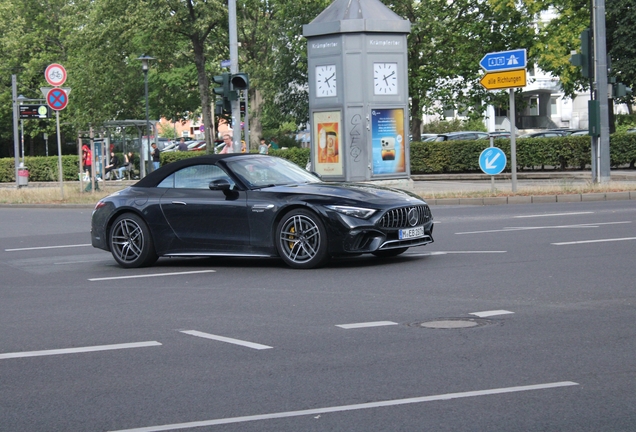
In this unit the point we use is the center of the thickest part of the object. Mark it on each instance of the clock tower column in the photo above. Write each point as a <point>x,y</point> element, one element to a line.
<point>358,92</point>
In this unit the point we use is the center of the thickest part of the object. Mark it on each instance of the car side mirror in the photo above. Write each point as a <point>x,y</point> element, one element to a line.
<point>220,184</point>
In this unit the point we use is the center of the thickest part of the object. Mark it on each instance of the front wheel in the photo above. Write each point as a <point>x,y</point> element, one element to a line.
<point>388,253</point>
<point>301,240</point>
<point>131,243</point>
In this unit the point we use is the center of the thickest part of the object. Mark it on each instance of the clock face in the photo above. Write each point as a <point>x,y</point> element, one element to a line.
<point>385,80</point>
<point>326,81</point>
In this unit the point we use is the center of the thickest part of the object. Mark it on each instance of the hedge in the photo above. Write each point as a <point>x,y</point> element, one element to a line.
<point>572,152</point>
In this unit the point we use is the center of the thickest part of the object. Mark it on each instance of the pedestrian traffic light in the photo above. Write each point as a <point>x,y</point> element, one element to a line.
<point>224,81</point>
<point>240,81</point>
<point>584,59</point>
<point>621,90</point>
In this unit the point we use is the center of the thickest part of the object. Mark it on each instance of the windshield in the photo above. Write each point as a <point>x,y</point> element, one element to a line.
<point>258,172</point>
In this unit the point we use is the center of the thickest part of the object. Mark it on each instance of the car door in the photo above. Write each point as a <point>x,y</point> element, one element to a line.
<point>204,219</point>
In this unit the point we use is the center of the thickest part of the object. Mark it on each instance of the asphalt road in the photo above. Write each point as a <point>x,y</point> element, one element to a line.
<point>518,317</point>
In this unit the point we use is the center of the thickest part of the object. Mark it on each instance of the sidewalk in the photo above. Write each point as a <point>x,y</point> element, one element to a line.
<point>434,185</point>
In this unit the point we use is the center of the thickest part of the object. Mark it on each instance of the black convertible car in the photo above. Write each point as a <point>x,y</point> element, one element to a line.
<point>259,206</point>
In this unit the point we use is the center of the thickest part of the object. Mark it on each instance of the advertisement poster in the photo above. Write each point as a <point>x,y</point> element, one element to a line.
<point>327,150</point>
<point>387,141</point>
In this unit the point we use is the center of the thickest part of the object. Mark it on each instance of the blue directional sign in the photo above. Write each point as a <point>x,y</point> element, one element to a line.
<point>504,60</point>
<point>492,161</point>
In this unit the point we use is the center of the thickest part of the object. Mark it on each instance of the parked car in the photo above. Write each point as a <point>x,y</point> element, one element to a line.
<point>256,206</point>
<point>543,134</point>
<point>582,132</point>
<point>463,135</point>
<point>633,130</point>
<point>499,134</point>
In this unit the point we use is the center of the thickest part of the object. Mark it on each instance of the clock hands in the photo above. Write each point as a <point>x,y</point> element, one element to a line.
<point>388,76</point>
<point>327,79</point>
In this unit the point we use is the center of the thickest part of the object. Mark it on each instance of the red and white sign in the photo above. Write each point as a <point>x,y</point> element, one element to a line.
<point>55,74</point>
<point>57,99</point>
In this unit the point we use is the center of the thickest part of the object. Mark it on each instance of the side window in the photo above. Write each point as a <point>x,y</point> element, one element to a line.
<point>195,177</point>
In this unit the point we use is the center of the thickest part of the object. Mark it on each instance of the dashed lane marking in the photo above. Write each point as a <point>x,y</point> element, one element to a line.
<point>366,324</point>
<point>225,339</point>
<point>78,350</point>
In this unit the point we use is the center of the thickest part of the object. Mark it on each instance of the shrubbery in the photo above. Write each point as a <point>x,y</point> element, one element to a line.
<point>572,152</point>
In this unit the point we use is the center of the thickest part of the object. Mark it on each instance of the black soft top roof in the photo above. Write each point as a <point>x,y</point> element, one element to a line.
<point>155,177</point>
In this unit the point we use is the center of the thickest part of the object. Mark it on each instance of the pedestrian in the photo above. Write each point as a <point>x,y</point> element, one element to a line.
<point>227,140</point>
<point>113,166</point>
<point>87,161</point>
<point>129,165</point>
<point>263,148</point>
<point>273,144</point>
<point>182,145</point>
<point>156,157</point>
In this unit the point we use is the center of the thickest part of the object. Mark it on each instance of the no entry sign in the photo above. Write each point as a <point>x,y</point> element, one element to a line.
<point>57,99</point>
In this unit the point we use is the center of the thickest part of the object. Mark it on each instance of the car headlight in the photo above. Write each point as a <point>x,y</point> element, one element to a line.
<point>359,212</point>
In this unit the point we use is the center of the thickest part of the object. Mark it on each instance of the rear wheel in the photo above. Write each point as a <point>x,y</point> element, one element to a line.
<point>301,240</point>
<point>131,243</point>
<point>388,253</point>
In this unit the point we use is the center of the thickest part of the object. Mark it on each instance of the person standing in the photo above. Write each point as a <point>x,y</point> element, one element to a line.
<point>227,140</point>
<point>87,161</point>
<point>156,157</point>
<point>182,145</point>
<point>263,148</point>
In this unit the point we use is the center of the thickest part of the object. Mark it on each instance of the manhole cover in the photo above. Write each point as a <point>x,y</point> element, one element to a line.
<point>452,323</point>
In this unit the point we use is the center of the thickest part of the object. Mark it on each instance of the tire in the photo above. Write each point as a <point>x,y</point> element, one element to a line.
<point>301,240</point>
<point>130,242</point>
<point>388,253</point>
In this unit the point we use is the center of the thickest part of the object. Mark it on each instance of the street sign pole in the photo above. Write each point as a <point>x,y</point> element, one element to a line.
<point>16,149</point>
<point>59,153</point>
<point>513,141</point>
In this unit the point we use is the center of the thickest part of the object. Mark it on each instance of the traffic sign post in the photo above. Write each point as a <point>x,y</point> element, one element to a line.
<point>492,161</point>
<point>57,99</point>
<point>55,74</point>
<point>504,60</point>
<point>503,80</point>
<point>506,70</point>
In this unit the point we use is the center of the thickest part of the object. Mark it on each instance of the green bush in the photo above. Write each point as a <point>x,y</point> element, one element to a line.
<point>572,152</point>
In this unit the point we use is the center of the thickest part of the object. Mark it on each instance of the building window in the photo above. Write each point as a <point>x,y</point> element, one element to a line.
<point>553,105</point>
<point>533,106</point>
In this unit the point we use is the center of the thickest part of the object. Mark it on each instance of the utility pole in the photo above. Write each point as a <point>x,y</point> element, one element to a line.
<point>236,104</point>
<point>601,154</point>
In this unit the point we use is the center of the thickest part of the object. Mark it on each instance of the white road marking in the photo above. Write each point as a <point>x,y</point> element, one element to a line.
<point>79,350</point>
<point>226,339</point>
<point>453,252</point>
<point>78,262</point>
<point>506,229</point>
<point>366,324</point>
<point>594,241</point>
<point>46,247</point>
<point>342,408</point>
<point>151,275</point>
<point>490,313</point>
<point>553,214</point>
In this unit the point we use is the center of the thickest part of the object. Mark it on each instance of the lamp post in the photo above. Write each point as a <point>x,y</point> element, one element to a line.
<point>145,60</point>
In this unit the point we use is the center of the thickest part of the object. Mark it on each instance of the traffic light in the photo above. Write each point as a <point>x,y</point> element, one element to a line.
<point>224,81</point>
<point>584,59</point>
<point>621,90</point>
<point>240,81</point>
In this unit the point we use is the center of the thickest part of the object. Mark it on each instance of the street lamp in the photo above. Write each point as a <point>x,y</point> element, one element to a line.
<point>145,60</point>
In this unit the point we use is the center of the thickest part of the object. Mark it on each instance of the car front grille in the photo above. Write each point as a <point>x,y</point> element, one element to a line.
<point>406,217</point>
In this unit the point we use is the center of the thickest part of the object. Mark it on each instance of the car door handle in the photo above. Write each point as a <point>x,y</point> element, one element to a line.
<point>178,202</point>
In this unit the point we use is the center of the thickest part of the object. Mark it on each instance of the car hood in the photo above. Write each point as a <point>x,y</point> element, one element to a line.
<point>362,192</point>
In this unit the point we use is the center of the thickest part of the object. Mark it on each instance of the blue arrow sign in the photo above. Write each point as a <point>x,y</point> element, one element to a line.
<point>492,161</point>
<point>504,60</point>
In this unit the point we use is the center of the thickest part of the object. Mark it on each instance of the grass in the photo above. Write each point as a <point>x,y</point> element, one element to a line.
<point>73,195</point>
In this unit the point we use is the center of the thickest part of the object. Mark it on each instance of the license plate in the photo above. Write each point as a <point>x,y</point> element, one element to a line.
<point>410,233</point>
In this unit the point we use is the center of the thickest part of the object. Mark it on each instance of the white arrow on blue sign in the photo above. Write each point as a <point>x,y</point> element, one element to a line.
<point>504,60</point>
<point>492,161</point>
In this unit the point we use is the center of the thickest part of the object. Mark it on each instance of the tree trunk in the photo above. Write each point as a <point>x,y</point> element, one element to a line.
<point>416,119</point>
<point>256,127</point>
<point>204,92</point>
